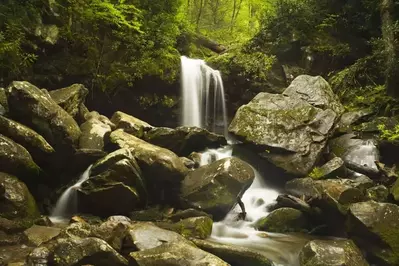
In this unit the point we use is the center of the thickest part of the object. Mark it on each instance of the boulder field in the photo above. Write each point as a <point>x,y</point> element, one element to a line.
<point>148,200</point>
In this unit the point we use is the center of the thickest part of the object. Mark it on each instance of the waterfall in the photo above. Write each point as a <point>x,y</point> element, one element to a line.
<point>204,103</point>
<point>67,204</point>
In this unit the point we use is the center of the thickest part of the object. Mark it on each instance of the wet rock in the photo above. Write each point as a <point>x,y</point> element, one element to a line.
<point>174,254</point>
<point>214,188</point>
<point>184,140</point>
<point>161,167</point>
<point>378,193</point>
<point>115,177</point>
<point>38,235</point>
<point>94,133</point>
<point>197,227</point>
<point>338,252</point>
<point>85,251</point>
<point>316,91</point>
<point>36,145</point>
<point>235,255</point>
<point>358,155</point>
<point>34,108</point>
<point>70,98</point>
<point>130,124</point>
<point>375,227</point>
<point>143,236</point>
<point>288,131</point>
<point>283,220</point>
<point>16,160</point>
<point>332,169</point>
<point>15,199</point>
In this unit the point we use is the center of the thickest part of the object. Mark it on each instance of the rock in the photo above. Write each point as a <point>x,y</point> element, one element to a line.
<point>77,230</point>
<point>70,98</point>
<point>40,256</point>
<point>338,252</point>
<point>196,158</point>
<point>86,251</point>
<point>174,254</point>
<point>332,169</point>
<point>94,133</point>
<point>188,213</point>
<point>235,255</point>
<point>184,140</point>
<point>356,152</point>
<point>283,220</point>
<point>197,227</point>
<point>9,240</point>
<point>288,201</point>
<point>188,163</point>
<point>378,193</point>
<point>113,231</point>
<point>16,202</point>
<point>115,177</point>
<point>14,226</point>
<point>36,145</point>
<point>143,236</point>
<point>16,160</point>
<point>316,91</point>
<point>351,118</point>
<point>161,167</point>
<point>375,227</point>
<point>214,188</point>
<point>3,102</point>
<point>47,33</point>
<point>130,124</point>
<point>394,191</point>
<point>287,130</point>
<point>34,108</point>
<point>151,214</point>
<point>38,235</point>
<point>14,255</point>
<point>373,126</point>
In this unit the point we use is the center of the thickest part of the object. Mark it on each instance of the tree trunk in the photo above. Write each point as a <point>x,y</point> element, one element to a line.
<point>391,53</point>
<point>199,14</point>
<point>208,43</point>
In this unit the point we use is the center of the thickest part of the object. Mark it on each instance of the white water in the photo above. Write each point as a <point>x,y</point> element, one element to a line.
<point>67,204</point>
<point>204,103</point>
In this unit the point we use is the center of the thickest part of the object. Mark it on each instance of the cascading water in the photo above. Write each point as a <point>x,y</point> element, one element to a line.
<point>67,203</point>
<point>204,103</point>
<point>198,110</point>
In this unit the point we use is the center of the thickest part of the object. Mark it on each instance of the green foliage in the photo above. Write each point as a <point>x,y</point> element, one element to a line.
<point>389,135</point>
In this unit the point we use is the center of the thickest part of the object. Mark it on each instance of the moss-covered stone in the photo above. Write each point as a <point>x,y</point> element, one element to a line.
<point>3,102</point>
<point>70,98</point>
<point>94,133</point>
<point>332,169</point>
<point>283,220</point>
<point>16,202</point>
<point>16,160</point>
<point>375,227</point>
<point>378,193</point>
<point>130,124</point>
<point>37,146</point>
<point>33,107</point>
<point>331,252</point>
<point>214,188</point>
<point>198,227</point>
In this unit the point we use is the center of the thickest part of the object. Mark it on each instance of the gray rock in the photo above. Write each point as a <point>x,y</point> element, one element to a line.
<point>113,231</point>
<point>16,202</point>
<point>291,132</point>
<point>130,124</point>
<point>38,235</point>
<point>94,133</point>
<point>116,177</point>
<point>332,169</point>
<point>184,140</point>
<point>86,251</point>
<point>340,252</point>
<point>214,188</point>
<point>70,98</point>
<point>34,108</point>
<point>375,227</point>
<point>283,220</point>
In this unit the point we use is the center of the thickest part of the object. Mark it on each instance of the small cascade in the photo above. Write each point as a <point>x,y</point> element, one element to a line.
<point>67,204</point>
<point>204,103</point>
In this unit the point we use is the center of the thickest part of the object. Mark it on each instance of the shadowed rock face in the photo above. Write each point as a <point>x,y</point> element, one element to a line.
<point>70,98</point>
<point>214,188</point>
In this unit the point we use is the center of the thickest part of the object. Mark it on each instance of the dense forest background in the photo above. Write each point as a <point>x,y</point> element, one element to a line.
<point>131,48</point>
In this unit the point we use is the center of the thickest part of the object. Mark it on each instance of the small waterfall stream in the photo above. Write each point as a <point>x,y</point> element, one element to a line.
<point>67,204</point>
<point>282,249</point>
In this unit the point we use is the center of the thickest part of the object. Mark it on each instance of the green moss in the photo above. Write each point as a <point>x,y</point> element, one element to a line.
<point>283,220</point>
<point>317,173</point>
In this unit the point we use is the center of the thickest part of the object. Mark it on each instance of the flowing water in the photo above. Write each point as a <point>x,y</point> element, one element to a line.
<point>67,204</point>
<point>197,88</point>
<point>204,103</point>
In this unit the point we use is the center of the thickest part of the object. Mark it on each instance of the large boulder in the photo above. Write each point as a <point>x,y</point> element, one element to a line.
<point>286,130</point>
<point>86,251</point>
<point>38,235</point>
<point>94,132</point>
<point>130,124</point>
<point>36,109</point>
<point>283,220</point>
<point>332,169</point>
<point>184,140</point>
<point>375,228</point>
<point>113,231</point>
<point>16,160</point>
<point>116,177</point>
<point>70,98</point>
<point>214,188</point>
<point>161,167</point>
<point>340,252</point>
<point>37,146</point>
<point>16,202</point>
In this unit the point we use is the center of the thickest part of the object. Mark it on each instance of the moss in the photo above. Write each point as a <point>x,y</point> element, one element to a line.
<point>317,173</point>
<point>283,220</point>
<point>199,227</point>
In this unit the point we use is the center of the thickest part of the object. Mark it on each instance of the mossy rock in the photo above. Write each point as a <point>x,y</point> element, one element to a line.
<point>378,193</point>
<point>283,220</point>
<point>332,169</point>
<point>197,227</point>
<point>130,124</point>
<point>70,98</point>
<point>3,102</point>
